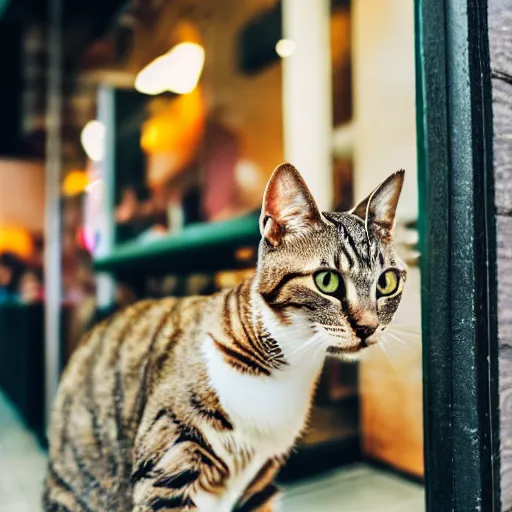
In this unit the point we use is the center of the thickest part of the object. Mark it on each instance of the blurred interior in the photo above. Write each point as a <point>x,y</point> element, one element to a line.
<point>153,182</point>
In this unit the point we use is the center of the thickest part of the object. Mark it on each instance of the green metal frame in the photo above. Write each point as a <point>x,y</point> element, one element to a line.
<point>199,247</point>
<point>3,6</point>
<point>457,227</point>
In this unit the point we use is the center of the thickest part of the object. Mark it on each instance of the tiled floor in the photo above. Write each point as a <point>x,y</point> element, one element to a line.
<point>22,464</point>
<point>358,488</point>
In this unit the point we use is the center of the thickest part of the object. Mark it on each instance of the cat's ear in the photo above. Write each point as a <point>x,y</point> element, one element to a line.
<point>379,208</point>
<point>288,206</point>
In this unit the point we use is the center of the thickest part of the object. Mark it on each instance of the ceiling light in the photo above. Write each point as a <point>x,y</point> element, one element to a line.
<point>177,71</point>
<point>285,48</point>
<point>93,140</point>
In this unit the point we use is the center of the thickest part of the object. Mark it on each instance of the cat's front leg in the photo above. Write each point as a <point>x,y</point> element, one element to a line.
<point>173,463</point>
<point>263,501</point>
<point>262,494</point>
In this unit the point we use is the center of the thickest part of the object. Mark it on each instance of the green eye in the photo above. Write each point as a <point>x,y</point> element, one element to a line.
<point>388,283</point>
<point>327,281</point>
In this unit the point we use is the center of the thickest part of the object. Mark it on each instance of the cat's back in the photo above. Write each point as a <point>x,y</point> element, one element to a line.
<point>101,400</point>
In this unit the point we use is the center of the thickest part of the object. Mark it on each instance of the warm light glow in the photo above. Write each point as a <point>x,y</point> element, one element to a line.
<point>172,135</point>
<point>93,140</point>
<point>74,183</point>
<point>16,240</point>
<point>152,79</point>
<point>285,47</point>
<point>177,71</point>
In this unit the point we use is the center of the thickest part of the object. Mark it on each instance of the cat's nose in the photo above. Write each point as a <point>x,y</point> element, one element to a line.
<point>364,331</point>
<point>364,324</point>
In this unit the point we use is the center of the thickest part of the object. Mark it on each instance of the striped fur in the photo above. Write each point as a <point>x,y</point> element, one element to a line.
<point>193,404</point>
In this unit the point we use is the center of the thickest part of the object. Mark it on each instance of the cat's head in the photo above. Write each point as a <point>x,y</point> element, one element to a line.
<point>337,273</point>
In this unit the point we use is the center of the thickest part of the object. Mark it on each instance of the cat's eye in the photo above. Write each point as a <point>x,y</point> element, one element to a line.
<point>388,283</point>
<point>327,281</point>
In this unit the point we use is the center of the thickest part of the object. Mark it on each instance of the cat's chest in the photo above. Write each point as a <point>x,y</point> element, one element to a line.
<point>269,411</point>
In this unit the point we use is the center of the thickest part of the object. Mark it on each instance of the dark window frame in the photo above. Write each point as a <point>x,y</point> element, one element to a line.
<point>457,230</point>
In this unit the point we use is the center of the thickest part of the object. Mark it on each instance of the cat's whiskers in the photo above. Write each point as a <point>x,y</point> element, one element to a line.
<point>412,328</point>
<point>315,342</point>
<point>294,340</point>
<point>405,333</point>
<point>297,340</point>
<point>405,337</point>
<point>332,327</point>
<point>385,352</point>
<point>337,332</point>
<point>394,341</point>
<point>396,338</point>
<point>330,330</point>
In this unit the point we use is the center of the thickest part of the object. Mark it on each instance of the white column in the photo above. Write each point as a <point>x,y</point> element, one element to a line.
<point>384,97</point>
<point>106,115</point>
<point>52,256</point>
<point>307,95</point>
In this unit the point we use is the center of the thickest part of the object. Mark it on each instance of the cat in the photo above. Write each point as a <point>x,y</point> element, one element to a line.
<point>193,404</point>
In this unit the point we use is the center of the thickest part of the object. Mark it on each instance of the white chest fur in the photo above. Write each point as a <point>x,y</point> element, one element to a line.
<point>268,412</point>
<point>268,409</point>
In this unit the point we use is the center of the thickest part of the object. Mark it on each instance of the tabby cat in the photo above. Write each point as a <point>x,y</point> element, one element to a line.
<point>193,404</point>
